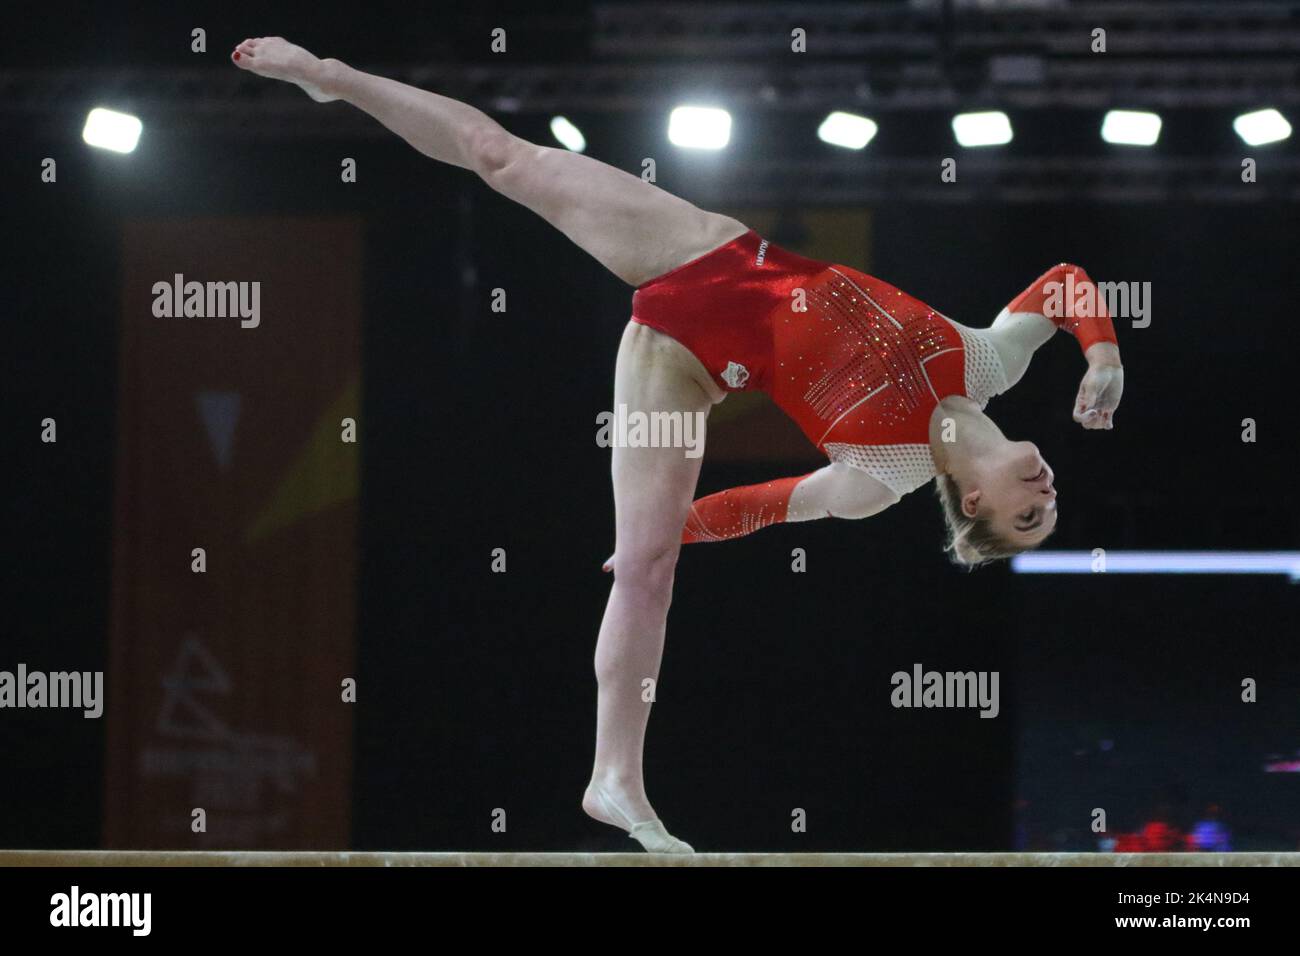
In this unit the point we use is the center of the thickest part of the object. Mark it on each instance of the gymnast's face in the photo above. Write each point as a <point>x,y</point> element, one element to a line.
<point>1014,490</point>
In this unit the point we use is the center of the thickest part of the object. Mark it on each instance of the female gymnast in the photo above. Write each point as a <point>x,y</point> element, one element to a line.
<point>890,390</point>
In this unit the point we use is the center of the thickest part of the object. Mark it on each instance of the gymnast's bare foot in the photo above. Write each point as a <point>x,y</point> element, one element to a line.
<point>607,802</point>
<point>279,59</point>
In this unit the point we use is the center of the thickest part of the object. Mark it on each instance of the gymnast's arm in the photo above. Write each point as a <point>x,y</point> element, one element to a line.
<point>836,491</point>
<point>1034,316</point>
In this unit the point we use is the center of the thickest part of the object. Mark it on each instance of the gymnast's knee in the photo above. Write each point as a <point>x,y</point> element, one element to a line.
<point>647,572</point>
<point>492,149</point>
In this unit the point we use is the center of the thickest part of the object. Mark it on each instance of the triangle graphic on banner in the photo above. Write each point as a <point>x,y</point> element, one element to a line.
<point>323,474</point>
<point>220,413</point>
<point>195,671</point>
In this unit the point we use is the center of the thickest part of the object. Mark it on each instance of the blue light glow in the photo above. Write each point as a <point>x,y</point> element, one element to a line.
<point>1161,562</point>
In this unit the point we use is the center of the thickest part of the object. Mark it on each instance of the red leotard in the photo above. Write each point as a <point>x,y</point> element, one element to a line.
<point>857,363</point>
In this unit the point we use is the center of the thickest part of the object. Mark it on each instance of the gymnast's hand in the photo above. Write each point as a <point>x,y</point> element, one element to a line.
<point>1102,386</point>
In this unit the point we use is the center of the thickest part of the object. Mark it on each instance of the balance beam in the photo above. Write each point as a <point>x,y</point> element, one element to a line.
<point>88,858</point>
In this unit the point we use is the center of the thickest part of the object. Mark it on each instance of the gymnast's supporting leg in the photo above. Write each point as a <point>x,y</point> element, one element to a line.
<point>653,489</point>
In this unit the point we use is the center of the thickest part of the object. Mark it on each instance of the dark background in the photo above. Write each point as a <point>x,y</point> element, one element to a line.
<point>477,691</point>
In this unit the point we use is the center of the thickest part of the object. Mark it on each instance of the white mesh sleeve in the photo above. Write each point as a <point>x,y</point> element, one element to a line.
<point>901,468</point>
<point>985,374</point>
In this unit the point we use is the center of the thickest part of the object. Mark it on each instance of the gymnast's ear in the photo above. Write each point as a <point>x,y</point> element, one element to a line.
<point>970,503</point>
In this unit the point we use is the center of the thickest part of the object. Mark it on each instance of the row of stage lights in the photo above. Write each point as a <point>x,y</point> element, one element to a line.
<point>706,127</point>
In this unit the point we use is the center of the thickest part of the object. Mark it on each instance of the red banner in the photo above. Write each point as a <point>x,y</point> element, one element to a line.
<point>240,361</point>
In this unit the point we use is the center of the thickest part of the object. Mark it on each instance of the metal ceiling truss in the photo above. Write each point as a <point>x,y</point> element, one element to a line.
<point>879,58</point>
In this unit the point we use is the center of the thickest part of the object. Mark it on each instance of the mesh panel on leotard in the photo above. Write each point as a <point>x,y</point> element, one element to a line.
<point>902,468</point>
<point>985,376</point>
